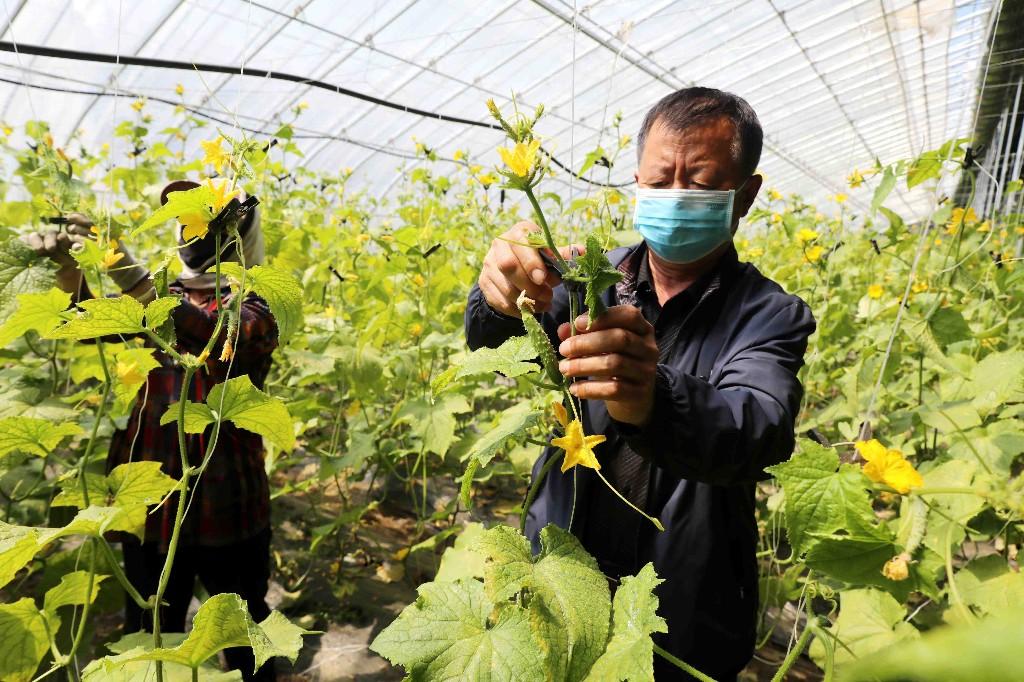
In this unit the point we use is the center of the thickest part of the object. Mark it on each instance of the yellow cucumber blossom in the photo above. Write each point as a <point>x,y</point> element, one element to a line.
<point>128,373</point>
<point>214,155</point>
<point>814,253</point>
<point>888,466</point>
<point>487,179</point>
<point>521,158</point>
<point>839,198</point>
<point>579,448</point>
<point>897,568</point>
<point>805,235</point>
<point>875,291</point>
<point>111,256</point>
<point>196,225</point>
<point>855,179</point>
<point>138,104</point>
<point>774,195</point>
<point>179,89</point>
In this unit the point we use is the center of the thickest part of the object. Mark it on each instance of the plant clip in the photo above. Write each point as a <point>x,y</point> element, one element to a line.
<point>874,245</point>
<point>555,267</point>
<point>233,213</point>
<point>971,155</point>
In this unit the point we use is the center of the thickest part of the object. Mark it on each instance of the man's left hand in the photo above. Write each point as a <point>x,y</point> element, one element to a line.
<point>618,359</point>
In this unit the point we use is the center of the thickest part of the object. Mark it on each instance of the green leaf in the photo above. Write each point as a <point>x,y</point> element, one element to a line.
<point>512,422</point>
<point>102,317</point>
<point>575,603</point>
<point>238,401</point>
<point>595,271</point>
<point>159,310</point>
<point>895,221</point>
<point>510,359</point>
<point>23,633</point>
<point>453,631</point>
<point>198,200</point>
<point>991,585</point>
<point>280,290</point>
<point>928,165</point>
<point>630,654</point>
<point>21,272</point>
<point>133,484</point>
<point>96,520</point>
<point>996,379</point>
<point>886,186</point>
<point>131,368</point>
<point>36,312</point>
<point>18,544</point>
<point>821,496</point>
<point>948,326</point>
<point>869,621</point>
<point>434,422</point>
<point>223,621</point>
<point>460,560</point>
<point>33,436</point>
<point>104,670</point>
<point>73,590</point>
<point>856,559</point>
<point>975,652</point>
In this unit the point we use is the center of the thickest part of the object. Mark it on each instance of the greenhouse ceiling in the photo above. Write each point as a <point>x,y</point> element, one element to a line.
<point>836,84</point>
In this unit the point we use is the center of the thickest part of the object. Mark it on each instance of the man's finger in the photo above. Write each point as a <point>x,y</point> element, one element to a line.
<point>611,365</point>
<point>619,316</point>
<point>616,340</point>
<point>563,331</point>
<point>607,389</point>
<point>499,293</point>
<point>50,242</point>
<point>566,251</point>
<point>531,263</point>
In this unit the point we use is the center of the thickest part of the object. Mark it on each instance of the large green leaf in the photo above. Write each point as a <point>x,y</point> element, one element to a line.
<point>512,359</point>
<point>18,544</point>
<point>575,603</point>
<point>159,310</point>
<point>453,631</point>
<point>821,495</point>
<point>512,422</point>
<point>434,422</point>
<point>102,670</point>
<point>238,401</point>
<point>280,290</point>
<point>996,379</point>
<point>23,633</point>
<point>73,590</point>
<point>21,272</point>
<point>630,652</point>
<point>35,312</point>
<point>869,621</point>
<point>856,558</point>
<point>981,652</point>
<point>991,585</point>
<point>223,621</point>
<point>33,436</point>
<point>133,484</point>
<point>102,317</point>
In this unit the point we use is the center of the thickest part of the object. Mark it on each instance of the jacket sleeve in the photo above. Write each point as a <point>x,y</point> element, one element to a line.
<point>727,430</point>
<point>485,326</point>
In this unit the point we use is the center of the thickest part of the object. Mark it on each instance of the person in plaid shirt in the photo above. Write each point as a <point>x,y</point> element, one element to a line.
<point>225,536</point>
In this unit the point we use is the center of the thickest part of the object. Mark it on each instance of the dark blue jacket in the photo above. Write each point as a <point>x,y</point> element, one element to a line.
<point>726,397</point>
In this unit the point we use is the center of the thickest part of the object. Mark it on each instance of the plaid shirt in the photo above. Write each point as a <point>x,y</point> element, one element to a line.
<point>231,500</point>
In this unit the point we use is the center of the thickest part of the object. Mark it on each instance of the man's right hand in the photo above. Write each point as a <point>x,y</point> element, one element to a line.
<point>510,268</point>
<point>57,245</point>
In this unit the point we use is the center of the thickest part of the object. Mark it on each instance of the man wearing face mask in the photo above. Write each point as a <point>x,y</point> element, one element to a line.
<point>691,375</point>
<point>225,536</point>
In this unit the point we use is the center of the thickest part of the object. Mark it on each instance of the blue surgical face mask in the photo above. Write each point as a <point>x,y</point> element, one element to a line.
<point>684,225</point>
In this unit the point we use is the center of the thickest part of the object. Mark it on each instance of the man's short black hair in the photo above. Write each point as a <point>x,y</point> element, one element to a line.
<point>694,106</point>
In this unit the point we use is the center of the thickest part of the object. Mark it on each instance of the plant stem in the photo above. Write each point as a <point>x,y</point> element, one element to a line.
<point>70,658</point>
<point>547,230</point>
<point>115,566</point>
<point>682,665</point>
<point>100,412</point>
<point>656,522</point>
<point>535,488</point>
<point>186,472</point>
<point>793,654</point>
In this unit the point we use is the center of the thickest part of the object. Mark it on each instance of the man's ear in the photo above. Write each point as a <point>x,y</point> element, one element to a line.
<point>746,196</point>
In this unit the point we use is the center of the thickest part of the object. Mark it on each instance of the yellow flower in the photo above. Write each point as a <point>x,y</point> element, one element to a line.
<point>919,287</point>
<point>814,253</point>
<point>179,89</point>
<point>805,235</point>
<point>111,256</point>
<point>487,179</point>
<point>776,218</point>
<point>855,179</point>
<point>303,105</point>
<point>128,373</point>
<point>579,449</point>
<point>459,155</point>
<point>198,224</point>
<point>614,198</point>
<point>6,129</point>
<point>774,195</point>
<point>961,216</point>
<point>888,466</point>
<point>139,104</point>
<point>625,140</point>
<point>418,280</point>
<point>329,311</point>
<point>875,291</point>
<point>985,226</point>
<point>214,155</point>
<point>521,158</point>
<point>839,198</point>
<point>560,414</point>
<point>898,567</point>
<point>416,329</point>
<point>755,252</point>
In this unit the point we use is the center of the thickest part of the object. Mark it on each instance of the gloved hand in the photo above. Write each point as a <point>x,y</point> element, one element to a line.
<point>57,245</point>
